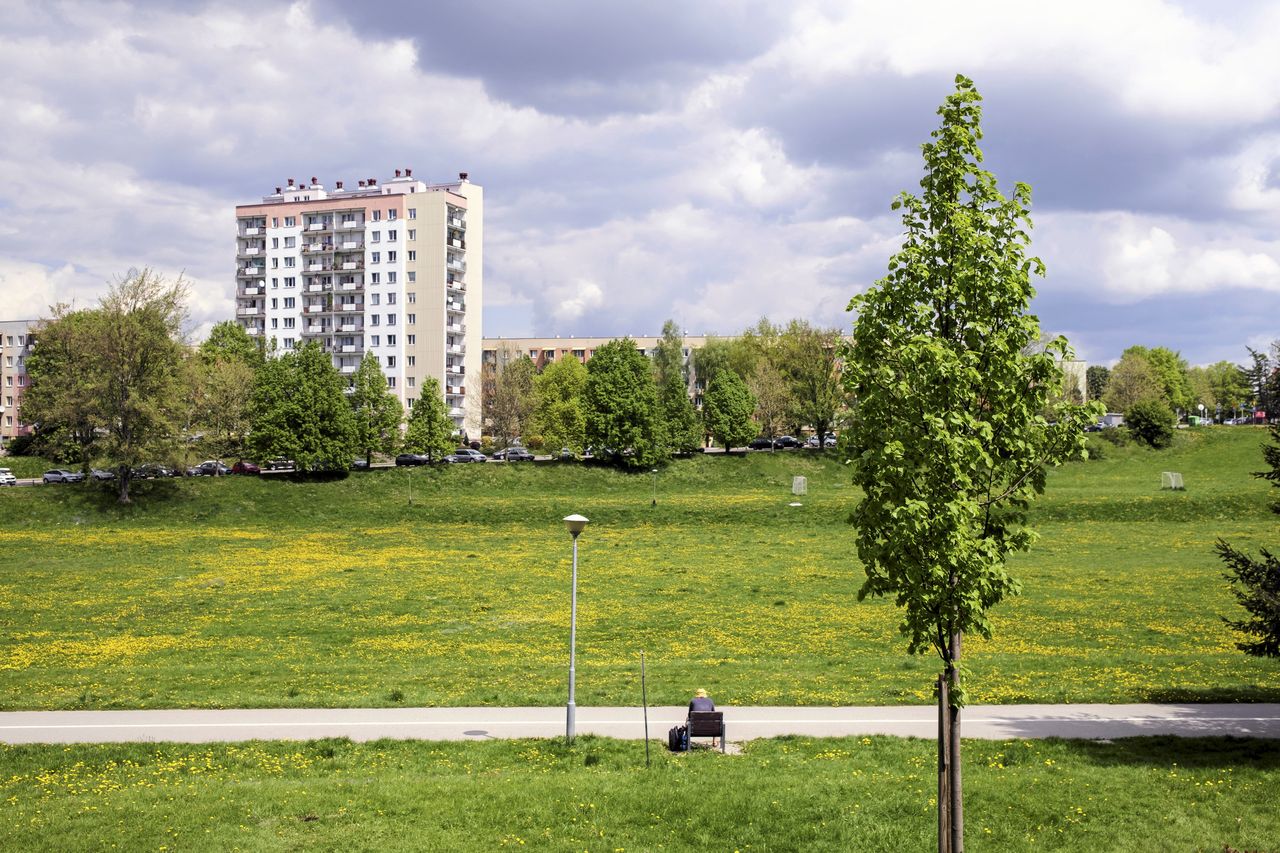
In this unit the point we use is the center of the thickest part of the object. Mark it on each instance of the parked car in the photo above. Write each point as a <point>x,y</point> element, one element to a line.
<point>7,478</point>
<point>209,468</point>
<point>61,475</point>
<point>413,459</point>
<point>786,441</point>
<point>102,474</point>
<point>466,454</point>
<point>243,467</point>
<point>360,464</point>
<point>566,454</point>
<point>513,454</point>
<point>762,442</point>
<point>814,441</point>
<point>280,464</point>
<point>152,470</point>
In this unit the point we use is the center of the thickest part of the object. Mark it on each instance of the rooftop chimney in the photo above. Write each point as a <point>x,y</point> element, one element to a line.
<point>462,176</point>
<point>339,184</point>
<point>291,182</point>
<point>362,183</point>
<point>314,180</point>
<point>373,182</point>
<point>408,173</point>
<point>277,190</point>
<point>397,173</point>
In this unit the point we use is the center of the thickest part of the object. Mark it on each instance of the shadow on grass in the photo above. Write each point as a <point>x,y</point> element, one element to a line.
<point>1186,752</point>
<point>1226,695</point>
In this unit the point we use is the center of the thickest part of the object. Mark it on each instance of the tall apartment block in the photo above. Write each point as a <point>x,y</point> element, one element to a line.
<point>394,268</point>
<point>15,346</point>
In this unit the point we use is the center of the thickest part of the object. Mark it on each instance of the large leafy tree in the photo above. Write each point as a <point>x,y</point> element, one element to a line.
<point>668,355</point>
<point>681,427</point>
<point>949,443</point>
<point>220,391</point>
<point>1133,380</point>
<point>124,362</point>
<point>621,405</point>
<point>300,411</point>
<point>773,398</point>
<point>1095,381</point>
<point>59,401</point>
<point>1256,583</point>
<point>377,411</point>
<point>430,428</point>
<point>559,417</point>
<point>228,341</point>
<point>513,399</point>
<point>727,408</point>
<point>810,359</point>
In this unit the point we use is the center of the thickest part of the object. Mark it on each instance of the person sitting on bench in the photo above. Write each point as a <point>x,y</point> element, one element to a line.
<point>701,702</point>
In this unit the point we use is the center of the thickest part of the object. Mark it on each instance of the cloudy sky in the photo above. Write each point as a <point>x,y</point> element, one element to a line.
<point>712,162</point>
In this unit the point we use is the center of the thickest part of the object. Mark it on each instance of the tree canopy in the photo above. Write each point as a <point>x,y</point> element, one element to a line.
<point>620,403</point>
<point>727,409</point>
<point>430,429</point>
<point>301,413</point>
<point>559,418</point>
<point>377,412</point>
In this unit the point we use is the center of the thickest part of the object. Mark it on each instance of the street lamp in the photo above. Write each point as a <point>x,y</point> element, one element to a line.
<point>654,472</point>
<point>575,524</point>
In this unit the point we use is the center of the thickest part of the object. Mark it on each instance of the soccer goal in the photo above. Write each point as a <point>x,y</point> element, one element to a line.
<point>1171,480</point>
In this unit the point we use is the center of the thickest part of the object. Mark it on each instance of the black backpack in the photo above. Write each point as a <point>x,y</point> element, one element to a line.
<point>678,739</point>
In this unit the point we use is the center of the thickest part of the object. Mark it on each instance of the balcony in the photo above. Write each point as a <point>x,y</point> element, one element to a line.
<point>455,222</point>
<point>456,369</point>
<point>347,369</point>
<point>314,309</point>
<point>349,348</point>
<point>319,266</point>
<point>457,286</point>
<point>315,329</point>
<point>252,231</point>
<point>247,312</point>
<point>353,265</point>
<point>457,244</point>
<point>457,412</point>
<point>456,265</point>
<point>350,326</point>
<point>315,288</point>
<point>457,349</point>
<point>311,248</point>
<point>249,271</point>
<point>350,307</point>
<point>349,286</point>
<point>351,246</point>
<point>456,390</point>
<point>456,328</point>
<point>319,227</point>
<point>251,251</point>
<point>455,307</point>
<point>250,291</point>
<point>354,223</point>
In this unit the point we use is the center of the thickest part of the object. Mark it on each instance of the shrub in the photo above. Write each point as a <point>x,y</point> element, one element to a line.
<point>1095,446</point>
<point>1114,435</point>
<point>1150,422</point>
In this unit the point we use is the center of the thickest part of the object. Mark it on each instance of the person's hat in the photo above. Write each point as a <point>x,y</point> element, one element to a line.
<point>700,693</point>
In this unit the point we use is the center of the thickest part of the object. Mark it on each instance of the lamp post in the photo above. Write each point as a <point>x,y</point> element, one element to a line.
<point>654,472</point>
<point>575,524</point>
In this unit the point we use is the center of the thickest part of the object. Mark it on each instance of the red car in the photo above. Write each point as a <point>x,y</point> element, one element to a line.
<point>243,467</point>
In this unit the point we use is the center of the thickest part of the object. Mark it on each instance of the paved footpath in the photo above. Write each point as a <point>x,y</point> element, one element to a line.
<point>993,722</point>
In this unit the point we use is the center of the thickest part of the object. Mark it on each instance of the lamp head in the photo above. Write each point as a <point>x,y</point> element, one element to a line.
<point>575,524</point>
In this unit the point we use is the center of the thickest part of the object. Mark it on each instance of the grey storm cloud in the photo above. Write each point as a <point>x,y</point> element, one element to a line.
<point>709,162</point>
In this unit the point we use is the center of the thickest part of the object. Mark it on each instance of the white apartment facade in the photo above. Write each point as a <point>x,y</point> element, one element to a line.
<point>15,347</point>
<point>394,268</point>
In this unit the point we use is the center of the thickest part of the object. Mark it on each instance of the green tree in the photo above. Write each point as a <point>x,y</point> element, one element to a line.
<point>299,411</point>
<point>59,400</point>
<point>948,442</point>
<point>220,391</point>
<point>1171,369</point>
<point>430,428</point>
<point>1095,380</point>
<point>513,399</point>
<point>1228,386</point>
<point>810,359</point>
<point>773,398</point>
<point>727,408</point>
<point>377,411</point>
<point>1263,378</point>
<point>1150,422</point>
<point>228,341</point>
<point>1132,381</point>
<point>559,416</point>
<point>127,370</point>
<point>681,428</point>
<point>668,355</point>
<point>1256,583</point>
<point>621,404</point>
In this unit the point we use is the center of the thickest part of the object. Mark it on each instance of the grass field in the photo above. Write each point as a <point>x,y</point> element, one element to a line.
<point>248,592</point>
<point>788,794</point>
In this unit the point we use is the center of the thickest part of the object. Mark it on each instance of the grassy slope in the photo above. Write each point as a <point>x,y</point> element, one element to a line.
<point>781,795</point>
<point>264,593</point>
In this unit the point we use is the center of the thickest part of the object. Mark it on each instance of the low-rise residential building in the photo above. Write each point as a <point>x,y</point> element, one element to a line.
<point>15,347</point>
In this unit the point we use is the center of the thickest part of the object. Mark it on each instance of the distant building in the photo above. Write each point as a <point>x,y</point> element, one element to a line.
<point>15,346</point>
<point>396,269</point>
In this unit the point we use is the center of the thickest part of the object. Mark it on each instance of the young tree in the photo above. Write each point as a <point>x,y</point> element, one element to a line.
<point>1150,422</point>
<point>1256,583</point>
<point>228,341</point>
<point>59,399</point>
<point>773,398</point>
<point>559,417</point>
<point>377,411</point>
<point>1095,381</point>
<point>430,428</point>
<point>949,444</point>
<point>300,412</point>
<point>668,355</point>
<point>221,390</point>
<point>513,399</point>
<point>1132,381</point>
<point>727,408</point>
<point>621,405</point>
<point>681,429</point>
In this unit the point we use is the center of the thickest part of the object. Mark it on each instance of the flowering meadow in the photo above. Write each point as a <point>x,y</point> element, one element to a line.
<point>450,586</point>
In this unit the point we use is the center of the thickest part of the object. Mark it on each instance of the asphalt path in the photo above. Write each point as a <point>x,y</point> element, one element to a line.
<point>990,722</point>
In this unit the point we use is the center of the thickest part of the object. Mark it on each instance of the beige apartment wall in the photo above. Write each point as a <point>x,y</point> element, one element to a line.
<point>475,305</point>
<point>428,330</point>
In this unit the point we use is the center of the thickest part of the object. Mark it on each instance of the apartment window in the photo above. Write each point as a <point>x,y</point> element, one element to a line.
<point>273,303</point>
<point>288,343</point>
<point>391,276</point>
<point>275,263</point>
<point>373,319</point>
<point>373,340</point>
<point>373,299</point>
<point>391,382</point>
<point>391,236</point>
<point>275,242</point>
<point>275,324</point>
<point>376,257</point>
<point>375,278</point>
<point>413,213</point>
<point>413,276</point>
<point>391,340</point>
<point>290,222</point>
<point>391,257</point>
<point>411,319</point>
<point>275,282</point>
<point>377,215</point>
<point>391,360</point>
<point>413,297</point>
<point>413,254</point>
<point>288,322</point>
<point>290,261</point>
<point>8,381</point>
<point>413,359</point>
<point>391,297</point>
<point>290,281</point>
<point>391,319</point>
<point>275,222</point>
<point>290,242</point>
<point>413,234</point>
<point>391,216</point>
<point>375,237</point>
<point>289,302</point>
<point>413,382</point>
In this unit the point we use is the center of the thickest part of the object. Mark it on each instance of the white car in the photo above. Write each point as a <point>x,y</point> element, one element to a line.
<point>7,478</point>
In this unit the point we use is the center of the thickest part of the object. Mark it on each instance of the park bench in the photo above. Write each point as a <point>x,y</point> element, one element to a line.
<point>707,724</point>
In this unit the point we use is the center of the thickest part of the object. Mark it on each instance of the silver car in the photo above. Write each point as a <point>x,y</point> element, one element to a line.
<point>61,475</point>
<point>7,478</point>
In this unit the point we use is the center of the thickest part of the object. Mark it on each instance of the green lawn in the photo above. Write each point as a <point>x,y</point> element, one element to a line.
<point>248,592</point>
<point>788,794</point>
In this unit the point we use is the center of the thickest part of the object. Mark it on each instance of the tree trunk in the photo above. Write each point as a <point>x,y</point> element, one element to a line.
<point>123,474</point>
<point>944,749</point>
<point>957,793</point>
